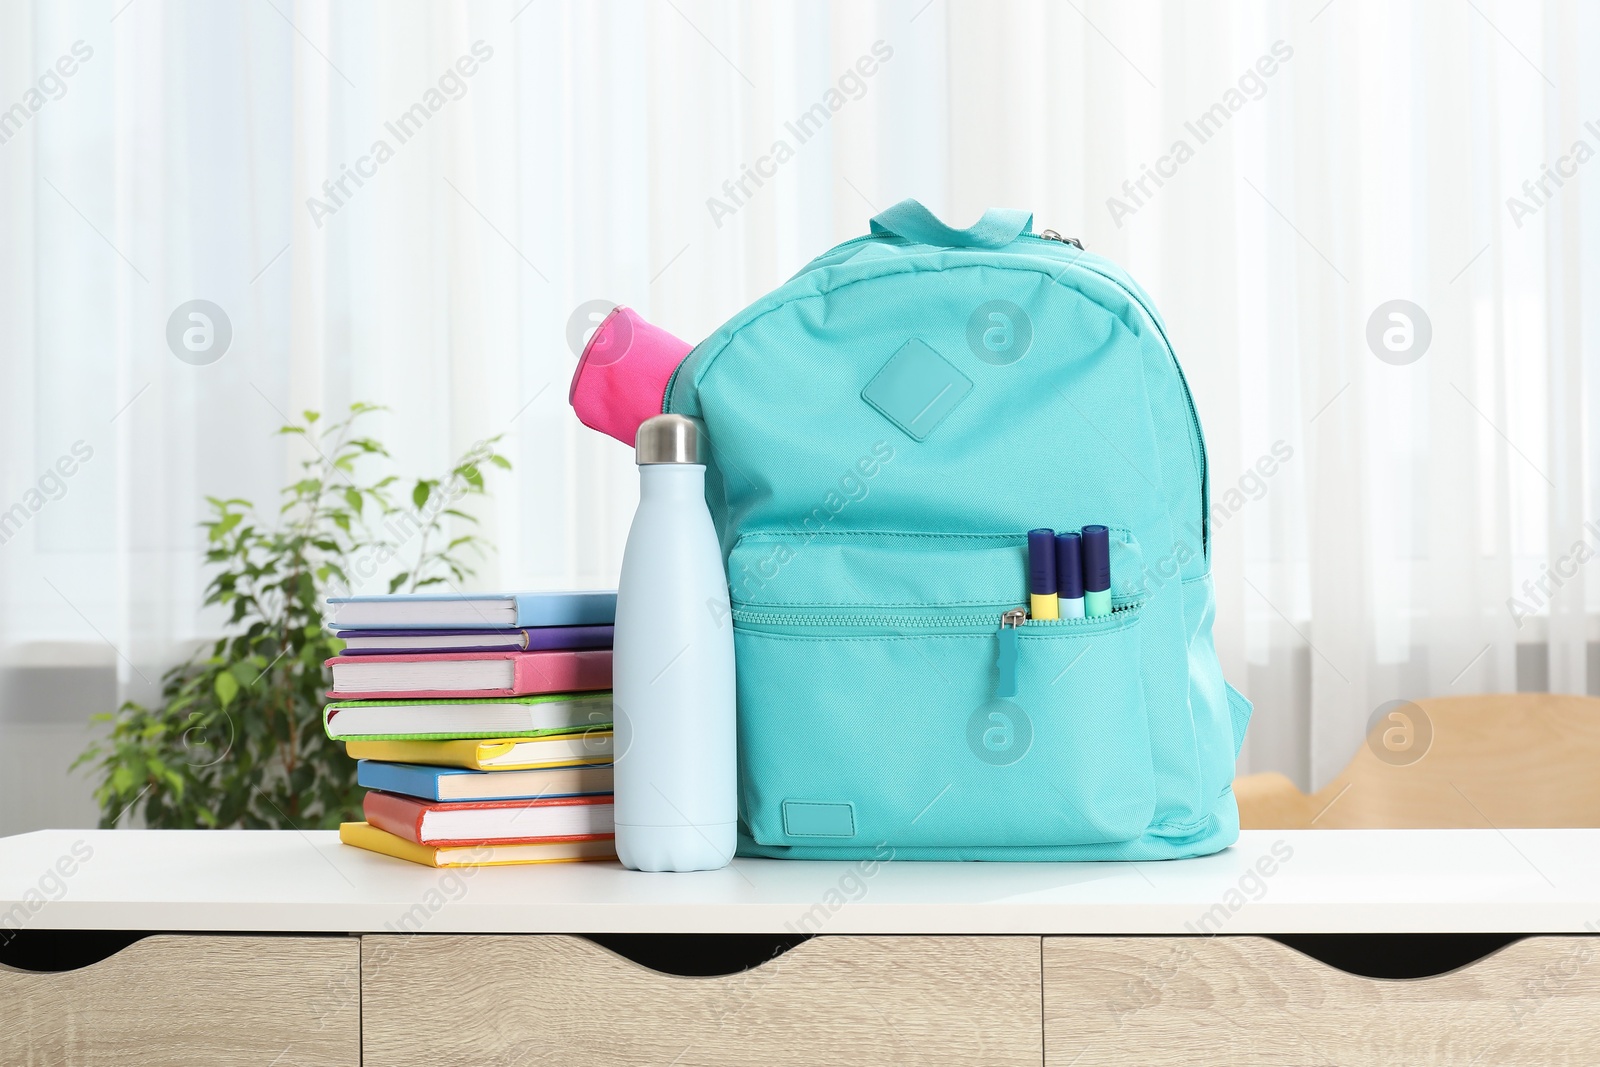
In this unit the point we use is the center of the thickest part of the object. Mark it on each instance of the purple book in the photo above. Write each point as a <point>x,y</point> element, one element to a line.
<point>527,639</point>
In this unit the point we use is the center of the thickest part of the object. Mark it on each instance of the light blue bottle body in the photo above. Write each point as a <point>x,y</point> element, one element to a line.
<point>676,771</point>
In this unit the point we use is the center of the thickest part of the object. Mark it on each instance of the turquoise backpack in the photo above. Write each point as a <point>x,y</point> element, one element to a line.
<point>885,429</point>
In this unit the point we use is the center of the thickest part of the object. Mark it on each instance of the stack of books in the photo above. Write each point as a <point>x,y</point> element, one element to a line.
<point>481,723</point>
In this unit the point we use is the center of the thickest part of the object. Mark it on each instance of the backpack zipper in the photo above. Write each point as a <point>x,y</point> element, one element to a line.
<point>1046,235</point>
<point>1043,235</point>
<point>1006,687</point>
<point>1051,235</point>
<point>1007,649</point>
<point>977,622</point>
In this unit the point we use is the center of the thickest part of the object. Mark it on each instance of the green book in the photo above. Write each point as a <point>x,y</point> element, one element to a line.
<point>426,720</point>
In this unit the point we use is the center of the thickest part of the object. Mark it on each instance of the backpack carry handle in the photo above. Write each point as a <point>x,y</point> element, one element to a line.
<point>909,219</point>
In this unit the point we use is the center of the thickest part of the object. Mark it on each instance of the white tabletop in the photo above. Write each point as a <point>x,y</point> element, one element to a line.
<point>1320,881</point>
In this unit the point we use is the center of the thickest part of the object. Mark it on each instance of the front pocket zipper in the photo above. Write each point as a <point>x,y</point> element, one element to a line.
<point>1006,688</point>
<point>1012,620</point>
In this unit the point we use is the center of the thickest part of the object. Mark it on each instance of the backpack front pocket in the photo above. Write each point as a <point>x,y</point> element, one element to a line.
<point>903,718</point>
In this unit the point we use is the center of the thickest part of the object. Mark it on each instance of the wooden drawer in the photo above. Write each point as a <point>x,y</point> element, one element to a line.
<point>838,1000</point>
<point>1248,1000</point>
<point>175,1000</point>
<point>202,1000</point>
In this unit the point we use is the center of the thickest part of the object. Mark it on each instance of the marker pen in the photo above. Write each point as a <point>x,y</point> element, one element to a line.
<point>1042,573</point>
<point>1069,575</point>
<point>1096,571</point>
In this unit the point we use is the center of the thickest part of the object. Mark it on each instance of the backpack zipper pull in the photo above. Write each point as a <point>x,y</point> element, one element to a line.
<point>1009,621</point>
<point>1051,235</point>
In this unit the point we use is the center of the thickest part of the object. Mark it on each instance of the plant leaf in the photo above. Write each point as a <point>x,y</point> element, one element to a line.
<point>227,687</point>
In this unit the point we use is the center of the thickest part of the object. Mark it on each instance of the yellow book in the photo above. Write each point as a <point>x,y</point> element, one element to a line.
<point>369,837</point>
<point>492,754</point>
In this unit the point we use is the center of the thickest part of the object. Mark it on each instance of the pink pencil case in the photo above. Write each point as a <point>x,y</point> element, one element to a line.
<point>622,375</point>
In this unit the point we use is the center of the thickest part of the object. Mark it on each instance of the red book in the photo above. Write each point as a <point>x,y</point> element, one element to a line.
<point>458,822</point>
<point>470,674</point>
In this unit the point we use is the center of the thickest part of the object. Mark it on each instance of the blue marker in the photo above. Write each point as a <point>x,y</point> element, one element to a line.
<point>1042,573</point>
<point>1096,571</point>
<point>1069,575</point>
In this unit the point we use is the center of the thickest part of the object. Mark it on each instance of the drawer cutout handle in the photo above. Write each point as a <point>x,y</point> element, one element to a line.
<point>1397,956</point>
<point>55,951</point>
<point>698,955</point>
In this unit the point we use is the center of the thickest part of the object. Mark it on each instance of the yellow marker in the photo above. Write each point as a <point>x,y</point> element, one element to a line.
<point>1042,574</point>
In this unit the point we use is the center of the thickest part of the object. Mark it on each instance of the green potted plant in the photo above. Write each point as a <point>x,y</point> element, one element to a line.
<point>237,738</point>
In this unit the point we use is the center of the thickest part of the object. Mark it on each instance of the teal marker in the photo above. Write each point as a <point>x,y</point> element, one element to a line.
<point>1096,571</point>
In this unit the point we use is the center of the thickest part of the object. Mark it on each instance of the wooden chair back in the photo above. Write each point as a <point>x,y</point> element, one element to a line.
<point>1501,761</point>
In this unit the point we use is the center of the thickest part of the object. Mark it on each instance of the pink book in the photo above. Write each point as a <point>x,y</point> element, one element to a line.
<point>470,674</point>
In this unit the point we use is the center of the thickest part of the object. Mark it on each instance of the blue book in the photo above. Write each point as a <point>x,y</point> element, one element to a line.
<point>471,611</point>
<point>454,783</point>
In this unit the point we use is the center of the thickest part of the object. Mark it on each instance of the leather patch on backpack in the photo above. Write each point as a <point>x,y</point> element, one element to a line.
<point>916,389</point>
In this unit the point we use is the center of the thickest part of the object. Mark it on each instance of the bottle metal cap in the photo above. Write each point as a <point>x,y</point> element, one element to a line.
<point>669,439</point>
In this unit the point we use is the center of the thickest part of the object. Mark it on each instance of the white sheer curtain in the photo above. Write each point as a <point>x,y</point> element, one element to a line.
<point>1376,516</point>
